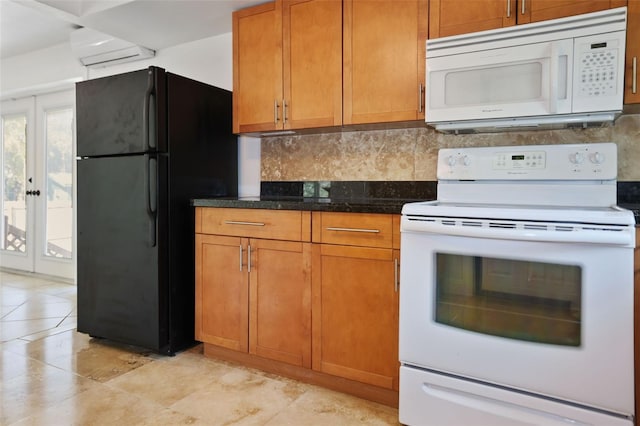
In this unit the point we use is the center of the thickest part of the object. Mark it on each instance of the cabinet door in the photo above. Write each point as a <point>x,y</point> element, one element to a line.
<point>383,60</point>
<point>632,71</point>
<point>257,68</point>
<point>453,17</point>
<point>542,10</point>
<point>355,314</point>
<point>312,40</point>
<point>280,301</point>
<point>222,292</point>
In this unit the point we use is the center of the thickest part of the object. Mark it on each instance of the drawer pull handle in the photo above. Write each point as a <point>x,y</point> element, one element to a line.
<point>396,273</point>
<point>369,231</point>
<point>634,81</point>
<point>235,222</point>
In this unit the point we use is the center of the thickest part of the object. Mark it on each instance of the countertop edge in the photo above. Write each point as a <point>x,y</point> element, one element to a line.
<point>386,206</point>
<point>326,205</point>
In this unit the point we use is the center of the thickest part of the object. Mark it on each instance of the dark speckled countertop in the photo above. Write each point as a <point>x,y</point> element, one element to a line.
<point>362,196</point>
<point>349,196</point>
<point>355,205</point>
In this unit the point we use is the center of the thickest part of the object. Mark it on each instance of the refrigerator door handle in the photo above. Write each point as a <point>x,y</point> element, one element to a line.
<point>150,183</point>
<point>148,111</point>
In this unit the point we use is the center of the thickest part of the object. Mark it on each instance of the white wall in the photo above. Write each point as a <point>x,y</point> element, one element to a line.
<point>208,60</point>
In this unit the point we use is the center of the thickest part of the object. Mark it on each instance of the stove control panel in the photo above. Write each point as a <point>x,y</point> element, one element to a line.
<point>593,161</point>
<point>521,160</point>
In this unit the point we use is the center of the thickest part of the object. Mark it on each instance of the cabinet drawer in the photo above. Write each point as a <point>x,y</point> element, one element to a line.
<point>353,229</point>
<point>255,223</point>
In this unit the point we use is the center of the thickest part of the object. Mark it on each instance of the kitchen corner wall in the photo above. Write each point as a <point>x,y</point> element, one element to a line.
<point>411,154</point>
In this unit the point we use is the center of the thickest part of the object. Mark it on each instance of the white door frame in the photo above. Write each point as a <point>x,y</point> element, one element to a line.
<point>25,106</point>
<point>48,265</point>
<point>34,259</point>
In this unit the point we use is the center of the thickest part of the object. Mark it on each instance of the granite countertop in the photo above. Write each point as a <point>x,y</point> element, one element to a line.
<point>362,196</point>
<point>354,205</point>
<point>331,196</point>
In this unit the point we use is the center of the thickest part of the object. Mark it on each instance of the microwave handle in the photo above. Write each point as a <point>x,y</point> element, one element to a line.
<point>553,79</point>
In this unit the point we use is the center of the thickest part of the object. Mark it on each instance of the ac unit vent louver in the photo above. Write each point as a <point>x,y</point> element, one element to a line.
<point>96,49</point>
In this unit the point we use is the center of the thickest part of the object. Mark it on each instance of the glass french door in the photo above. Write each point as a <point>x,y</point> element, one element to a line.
<point>37,154</point>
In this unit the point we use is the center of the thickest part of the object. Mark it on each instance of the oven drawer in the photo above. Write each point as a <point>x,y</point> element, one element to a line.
<point>354,229</point>
<point>254,223</point>
<point>453,401</point>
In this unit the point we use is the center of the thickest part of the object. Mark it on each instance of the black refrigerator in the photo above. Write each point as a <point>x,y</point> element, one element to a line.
<point>148,142</point>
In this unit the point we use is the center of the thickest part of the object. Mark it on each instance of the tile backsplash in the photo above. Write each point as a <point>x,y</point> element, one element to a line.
<point>411,154</point>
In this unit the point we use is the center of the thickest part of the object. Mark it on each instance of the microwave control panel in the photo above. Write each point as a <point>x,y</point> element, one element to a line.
<point>593,161</point>
<point>598,70</point>
<point>598,67</point>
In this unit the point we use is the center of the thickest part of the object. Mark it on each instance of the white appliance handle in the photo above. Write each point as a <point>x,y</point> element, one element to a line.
<point>553,79</point>
<point>620,238</point>
<point>501,409</point>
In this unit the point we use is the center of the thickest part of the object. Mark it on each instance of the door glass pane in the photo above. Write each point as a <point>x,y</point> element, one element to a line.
<point>507,83</point>
<point>14,207</point>
<point>532,301</point>
<point>59,183</point>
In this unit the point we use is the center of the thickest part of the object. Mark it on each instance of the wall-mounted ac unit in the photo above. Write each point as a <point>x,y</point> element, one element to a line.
<point>95,49</point>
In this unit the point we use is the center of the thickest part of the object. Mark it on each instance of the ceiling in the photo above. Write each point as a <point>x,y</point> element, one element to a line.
<point>28,25</point>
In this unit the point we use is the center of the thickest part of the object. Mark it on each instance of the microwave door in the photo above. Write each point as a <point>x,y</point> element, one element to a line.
<point>517,81</point>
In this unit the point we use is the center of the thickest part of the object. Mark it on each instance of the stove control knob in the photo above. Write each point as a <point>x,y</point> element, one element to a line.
<point>466,160</point>
<point>597,158</point>
<point>577,158</point>
<point>451,160</point>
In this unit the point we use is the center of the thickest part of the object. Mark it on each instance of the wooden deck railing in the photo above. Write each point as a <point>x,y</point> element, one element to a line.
<point>15,239</point>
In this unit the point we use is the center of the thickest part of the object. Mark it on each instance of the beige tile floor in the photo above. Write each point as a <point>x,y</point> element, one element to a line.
<point>52,375</point>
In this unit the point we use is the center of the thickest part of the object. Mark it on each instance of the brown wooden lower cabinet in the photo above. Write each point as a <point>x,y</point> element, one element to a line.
<point>253,295</point>
<point>222,292</point>
<point>355,306</point>
<point>280,301</point>
<point>322,311</point>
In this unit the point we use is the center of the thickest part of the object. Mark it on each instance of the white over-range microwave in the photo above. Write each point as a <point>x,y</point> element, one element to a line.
<point>550,74</point>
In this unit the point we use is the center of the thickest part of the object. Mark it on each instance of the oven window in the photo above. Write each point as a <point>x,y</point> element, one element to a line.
<point>532,301</point>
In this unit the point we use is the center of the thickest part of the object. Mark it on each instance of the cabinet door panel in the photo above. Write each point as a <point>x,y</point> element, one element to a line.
<point>447,17</point>
<point>221,292</point>
<point>383,66</point>
<point>280,300</point>
<point>312,31</point>
<point>355,307</point>
<point>633,53</point>
<point>542,10</point>
<point>257,68</point>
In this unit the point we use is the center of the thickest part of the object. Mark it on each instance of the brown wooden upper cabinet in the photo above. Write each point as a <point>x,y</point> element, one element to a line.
<point>452,17</point>
<point>384,60</point>
<point>287,66</point>
<point>632,73</point>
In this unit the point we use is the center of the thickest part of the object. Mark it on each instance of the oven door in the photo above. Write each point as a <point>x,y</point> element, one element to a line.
<point>549,312</point>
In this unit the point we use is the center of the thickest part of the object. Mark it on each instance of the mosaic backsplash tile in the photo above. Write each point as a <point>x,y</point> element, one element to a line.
<point>411,154</point>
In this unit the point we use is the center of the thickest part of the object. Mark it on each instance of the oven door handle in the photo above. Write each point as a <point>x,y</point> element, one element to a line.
<point>623,237</point>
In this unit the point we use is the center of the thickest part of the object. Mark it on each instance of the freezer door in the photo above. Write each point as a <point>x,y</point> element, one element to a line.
<point>122,114</point>
<point>122,267</point>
